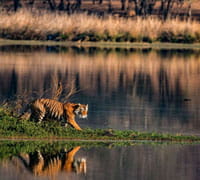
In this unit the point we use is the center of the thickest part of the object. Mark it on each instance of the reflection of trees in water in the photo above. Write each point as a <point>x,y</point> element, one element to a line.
<point>179,53</point>
<point>172,98</point>
<point>128,84</point>
<point>146,162</point>
<point>143,86</point>
<point>8,84</point>
<point>168,95</point>
<point>21,48</point>
<point>13,83</point>
<point>93,51</point>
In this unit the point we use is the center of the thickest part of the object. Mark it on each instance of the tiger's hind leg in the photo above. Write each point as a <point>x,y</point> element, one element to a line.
<point>37,116</point>
<point>37,113</point>
<point>41,116</point>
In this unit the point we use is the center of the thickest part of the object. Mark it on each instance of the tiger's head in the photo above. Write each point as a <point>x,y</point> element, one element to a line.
<point>81,110</point>
<point>80,165</point>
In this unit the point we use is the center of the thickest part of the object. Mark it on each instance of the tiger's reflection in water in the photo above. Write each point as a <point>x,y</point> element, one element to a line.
<point>41,164</point>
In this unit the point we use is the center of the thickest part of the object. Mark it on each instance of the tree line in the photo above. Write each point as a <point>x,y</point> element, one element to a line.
<point>143,8</point>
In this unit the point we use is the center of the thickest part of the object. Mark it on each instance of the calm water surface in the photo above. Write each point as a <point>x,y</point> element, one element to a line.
<point>148,90</point>
<point>30,160</point>
<point>140,89</point>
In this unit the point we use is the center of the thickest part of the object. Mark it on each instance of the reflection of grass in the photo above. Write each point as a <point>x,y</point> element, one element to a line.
<point>24,25</point>
<point>61,46</point>
<point>13,148</point>
<point>11,126</point>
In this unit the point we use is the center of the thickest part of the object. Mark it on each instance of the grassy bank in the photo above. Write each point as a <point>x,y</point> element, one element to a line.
<point>101,45</point>
<point>12,127</point>
<point>25,25</point>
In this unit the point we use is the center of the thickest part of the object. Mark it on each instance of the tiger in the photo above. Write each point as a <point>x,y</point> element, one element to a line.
<point>49,108</point>
<point>45,164</point>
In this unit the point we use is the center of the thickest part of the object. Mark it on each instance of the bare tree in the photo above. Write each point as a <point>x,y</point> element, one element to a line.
<point>62,93</point>
<point>110,6</point>
<point>16,4</point>
<point>61,5</point>
<point>78,4</point>
<point>189,11</point>
<point>68,6</point>
<point>167,6</point>
<point>31,2</point>
<point>52,4</point>
<point>144,7</point>
<point>123,4</point>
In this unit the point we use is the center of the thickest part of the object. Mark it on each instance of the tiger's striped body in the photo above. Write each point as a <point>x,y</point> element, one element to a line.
<point>49,108</point>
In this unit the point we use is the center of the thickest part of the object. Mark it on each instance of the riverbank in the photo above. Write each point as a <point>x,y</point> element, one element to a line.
<point>127,45</point>
<point>24,25</point>
<point>12,127</point>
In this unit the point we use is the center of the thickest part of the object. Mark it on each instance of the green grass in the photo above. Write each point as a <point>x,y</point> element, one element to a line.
<point>13,127</point>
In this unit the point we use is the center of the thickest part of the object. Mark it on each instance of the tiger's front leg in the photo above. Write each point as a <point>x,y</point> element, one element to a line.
<point>63,122</point>
<point>73,123</point>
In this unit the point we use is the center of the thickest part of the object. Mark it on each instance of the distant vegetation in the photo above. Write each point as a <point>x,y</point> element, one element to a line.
<point>143,8</point>
<point>24,25</point>
<point>101,20</point>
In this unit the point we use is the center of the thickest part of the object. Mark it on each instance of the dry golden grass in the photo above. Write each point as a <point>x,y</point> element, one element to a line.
<point>55,26</point>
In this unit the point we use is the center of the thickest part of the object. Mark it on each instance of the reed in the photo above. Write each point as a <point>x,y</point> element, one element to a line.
<point>25,25</point>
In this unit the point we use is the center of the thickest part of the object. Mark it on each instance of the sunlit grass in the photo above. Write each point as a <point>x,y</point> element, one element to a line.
<point>25,25</point>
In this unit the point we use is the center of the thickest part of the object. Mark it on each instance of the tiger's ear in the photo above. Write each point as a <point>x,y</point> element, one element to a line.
<point>76,106</point>
<point>86,106</point>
